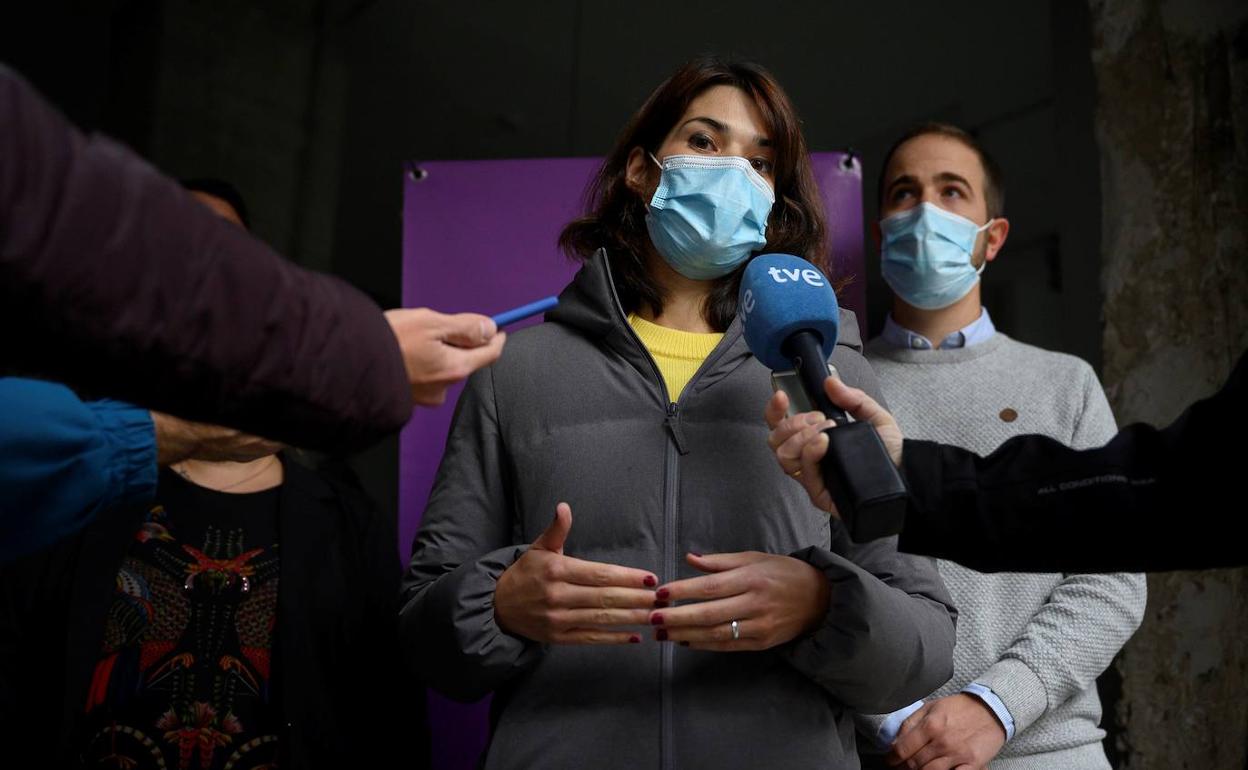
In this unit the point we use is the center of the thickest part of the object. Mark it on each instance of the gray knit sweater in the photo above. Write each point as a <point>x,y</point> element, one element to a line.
<point>1038,641</point>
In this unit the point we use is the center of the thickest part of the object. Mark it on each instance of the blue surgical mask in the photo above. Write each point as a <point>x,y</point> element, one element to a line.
<point>926,255</point>
<point>708,214</point>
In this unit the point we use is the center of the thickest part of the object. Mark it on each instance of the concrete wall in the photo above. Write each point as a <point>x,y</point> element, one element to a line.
<point>1172,122</point>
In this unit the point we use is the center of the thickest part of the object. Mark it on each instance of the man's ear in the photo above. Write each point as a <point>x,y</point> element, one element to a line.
<point>995,237</point>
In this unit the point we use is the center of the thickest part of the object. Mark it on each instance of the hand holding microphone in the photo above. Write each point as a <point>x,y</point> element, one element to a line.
<point>800,443</point>
<point>792,319</point>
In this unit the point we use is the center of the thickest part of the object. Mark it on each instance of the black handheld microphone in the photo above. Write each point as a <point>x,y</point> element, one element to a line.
<point>791,320</point>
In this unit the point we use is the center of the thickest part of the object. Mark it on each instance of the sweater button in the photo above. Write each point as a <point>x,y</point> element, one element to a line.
<point>1008,415</point>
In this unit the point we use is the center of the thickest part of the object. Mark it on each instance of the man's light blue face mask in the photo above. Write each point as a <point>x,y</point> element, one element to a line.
<point>926,255</point>
<point>708,214</point>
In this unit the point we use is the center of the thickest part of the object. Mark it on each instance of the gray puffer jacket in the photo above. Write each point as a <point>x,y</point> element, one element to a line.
<point>576,411</point>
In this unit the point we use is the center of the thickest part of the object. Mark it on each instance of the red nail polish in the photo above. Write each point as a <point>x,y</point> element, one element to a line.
<point>634,639</point>
<point>656,619</point>
<point>662,594</point>
<point>650,581</point>
<point>695,553</point>
<point>661,634</point>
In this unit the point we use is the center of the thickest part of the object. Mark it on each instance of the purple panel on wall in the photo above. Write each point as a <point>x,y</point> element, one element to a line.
<point>480,236</point>
<point>477,236</point>
<point>840,183</point>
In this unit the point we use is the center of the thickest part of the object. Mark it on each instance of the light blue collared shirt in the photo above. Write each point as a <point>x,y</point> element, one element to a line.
<point>886,736</point>
<point>979,330</point>
<point>990,699</point>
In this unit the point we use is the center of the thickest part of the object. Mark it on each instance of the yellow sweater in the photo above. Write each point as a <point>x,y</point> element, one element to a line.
<point>678,354</point>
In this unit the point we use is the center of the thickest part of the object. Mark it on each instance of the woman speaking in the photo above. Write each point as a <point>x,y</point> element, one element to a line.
<point>609,546</point>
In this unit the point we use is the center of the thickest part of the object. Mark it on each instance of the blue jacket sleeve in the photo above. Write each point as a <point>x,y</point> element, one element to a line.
<point>63,460</point>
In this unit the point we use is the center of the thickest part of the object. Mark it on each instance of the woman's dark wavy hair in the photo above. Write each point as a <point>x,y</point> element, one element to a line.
<point>616,215</point>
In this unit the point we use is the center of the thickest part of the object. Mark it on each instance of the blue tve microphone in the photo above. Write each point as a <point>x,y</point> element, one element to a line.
<point>791,320</point>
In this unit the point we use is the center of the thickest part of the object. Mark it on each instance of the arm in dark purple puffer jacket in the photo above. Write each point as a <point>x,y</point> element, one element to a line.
<point>114,280</point>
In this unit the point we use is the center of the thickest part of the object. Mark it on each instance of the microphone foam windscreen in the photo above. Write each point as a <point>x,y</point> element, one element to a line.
<point>781,294</point>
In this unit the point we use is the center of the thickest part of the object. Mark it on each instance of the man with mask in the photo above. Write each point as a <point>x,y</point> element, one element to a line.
<point>1030,647</point>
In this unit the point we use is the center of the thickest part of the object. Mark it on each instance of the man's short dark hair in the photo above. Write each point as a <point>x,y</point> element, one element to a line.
<point>219,188</point>
<point>994,181</point>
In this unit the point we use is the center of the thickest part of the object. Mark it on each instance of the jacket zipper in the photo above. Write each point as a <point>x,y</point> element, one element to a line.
<point>671,484</point>
<point>676,446</point>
